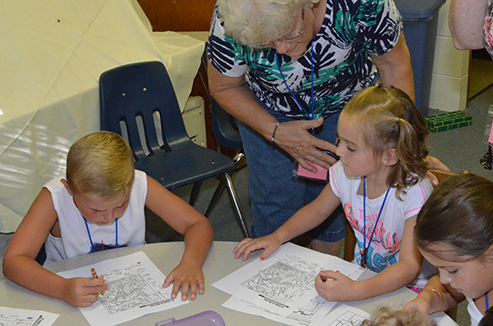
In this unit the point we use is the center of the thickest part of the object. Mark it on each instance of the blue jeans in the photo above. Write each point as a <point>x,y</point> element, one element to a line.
<point>275,196</point>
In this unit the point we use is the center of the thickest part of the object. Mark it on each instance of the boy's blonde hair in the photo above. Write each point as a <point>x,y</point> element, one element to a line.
<point>389,317</point>
<point>100,163</point>
<point>389,119</point>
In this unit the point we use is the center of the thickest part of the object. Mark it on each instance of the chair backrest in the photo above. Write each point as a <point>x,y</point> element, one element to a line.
<point>138,102</point>
<point>224,127</point>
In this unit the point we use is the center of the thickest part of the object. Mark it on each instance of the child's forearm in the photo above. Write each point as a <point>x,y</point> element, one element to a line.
<point>28,273</point>
<point>438,296</point>
<point>198,240</point>
<point>304,220</point>
<point>390,279</point>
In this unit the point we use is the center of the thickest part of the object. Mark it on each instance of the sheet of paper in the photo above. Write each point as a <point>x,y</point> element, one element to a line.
<point>135,290</point>
<point>283,285</point>
<point>310,313</point>
<point>345,315</point>
<point>24,317</point>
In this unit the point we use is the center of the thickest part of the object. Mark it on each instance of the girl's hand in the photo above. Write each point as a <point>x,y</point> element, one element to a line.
<point>269,243</point>
<point>418,304</point>
<point>335,286</point>
<point>83,292</point>
<point>187,277</point>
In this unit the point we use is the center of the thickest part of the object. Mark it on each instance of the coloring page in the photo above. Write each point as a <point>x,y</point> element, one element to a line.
<point>24,317</point>
<point>283,285</point>
<point>135,290</point>
<point>345,315</point>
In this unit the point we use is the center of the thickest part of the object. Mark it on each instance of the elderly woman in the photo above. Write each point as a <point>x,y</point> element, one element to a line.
<point>285,69</point>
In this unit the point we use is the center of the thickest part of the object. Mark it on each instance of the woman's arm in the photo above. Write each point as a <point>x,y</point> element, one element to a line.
<point>293,137</point>
<point>466,22</point>
<point>392,278</point>
<point>197,230</point>
<point>20,267</point>
<point>395,68</point>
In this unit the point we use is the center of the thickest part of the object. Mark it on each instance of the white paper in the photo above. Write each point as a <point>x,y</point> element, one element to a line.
<point>135,290</point>
<point>24,317</point>
<point>345,315</point>
<point>282,287</point>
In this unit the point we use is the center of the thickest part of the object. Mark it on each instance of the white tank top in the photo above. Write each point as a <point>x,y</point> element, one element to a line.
<point>474,312</point>
<point>75,240</point>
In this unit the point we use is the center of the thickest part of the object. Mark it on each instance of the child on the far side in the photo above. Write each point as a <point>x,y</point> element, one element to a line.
<point>100,205</point>
<point>454,232</point>
<point>381,182</point>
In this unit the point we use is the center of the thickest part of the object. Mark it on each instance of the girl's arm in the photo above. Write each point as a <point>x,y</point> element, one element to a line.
<point>302,221</point>
<point>197,230</point>
<point>20,267</point>
<point>466,21</point>
<point>435,297</point>
<point>392,278</point>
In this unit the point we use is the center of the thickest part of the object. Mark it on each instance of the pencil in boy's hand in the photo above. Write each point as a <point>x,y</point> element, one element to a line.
<point>95,275</point>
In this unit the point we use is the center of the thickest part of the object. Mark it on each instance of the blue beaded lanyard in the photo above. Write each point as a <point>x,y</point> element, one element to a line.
<point>364,253</point>
<point>310,116</point>
<point>90,238</point>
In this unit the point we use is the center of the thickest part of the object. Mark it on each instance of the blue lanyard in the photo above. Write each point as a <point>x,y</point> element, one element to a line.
<point>90,238</point>
<point>310,116</point>
<point>364,253</point>
<point>486,300</point>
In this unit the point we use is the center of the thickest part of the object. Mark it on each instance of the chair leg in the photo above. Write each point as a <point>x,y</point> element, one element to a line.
<point>217,195</point>
<point>195,192</point>
<point>234,200</point>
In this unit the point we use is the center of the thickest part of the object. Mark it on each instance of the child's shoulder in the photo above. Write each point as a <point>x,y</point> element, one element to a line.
<point>422,188</point>
<point>55,185</point>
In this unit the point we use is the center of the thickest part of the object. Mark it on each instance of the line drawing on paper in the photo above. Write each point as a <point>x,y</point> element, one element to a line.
<point>14,320</point>
<point>349,318</point>
<point>285,280</point>
<point>131,287</point>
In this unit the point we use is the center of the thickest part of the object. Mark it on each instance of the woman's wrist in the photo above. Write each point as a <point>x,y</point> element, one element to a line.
<point>274,132</point>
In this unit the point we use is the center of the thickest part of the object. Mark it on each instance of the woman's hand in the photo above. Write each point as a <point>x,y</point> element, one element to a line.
<point>296,139</point>
<point>187,276</point>
<point>269,243</point>
<point>83,292</point>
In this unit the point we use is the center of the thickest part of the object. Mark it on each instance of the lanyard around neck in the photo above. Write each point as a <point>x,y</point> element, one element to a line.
<point>364,253</point>
<point>310,116</point>
<point>486,301</point>
<point>93,249</point>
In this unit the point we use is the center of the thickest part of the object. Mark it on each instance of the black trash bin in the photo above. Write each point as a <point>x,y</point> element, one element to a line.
<point>420,19</point>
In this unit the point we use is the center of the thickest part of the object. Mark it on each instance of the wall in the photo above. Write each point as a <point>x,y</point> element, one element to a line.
<point>450,71</point>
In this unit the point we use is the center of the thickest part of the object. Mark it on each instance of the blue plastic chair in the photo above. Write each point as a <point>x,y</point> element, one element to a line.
<point>138,102</point>
<point>225,129</point>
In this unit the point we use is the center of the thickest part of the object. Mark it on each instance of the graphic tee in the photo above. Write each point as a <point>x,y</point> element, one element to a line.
<point>352,30</point>
<point>386,244</point>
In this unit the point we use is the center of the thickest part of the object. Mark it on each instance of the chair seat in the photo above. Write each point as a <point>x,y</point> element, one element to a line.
<point>185,166</point>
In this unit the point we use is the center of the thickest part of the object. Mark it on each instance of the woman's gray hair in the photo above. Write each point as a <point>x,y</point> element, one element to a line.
<point>252,22</point>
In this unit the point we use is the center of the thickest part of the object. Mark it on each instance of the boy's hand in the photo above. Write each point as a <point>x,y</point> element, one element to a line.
<point>83,292</point>
<point>269,243</point>
<point>335,286</point>
<point>187,277</point>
